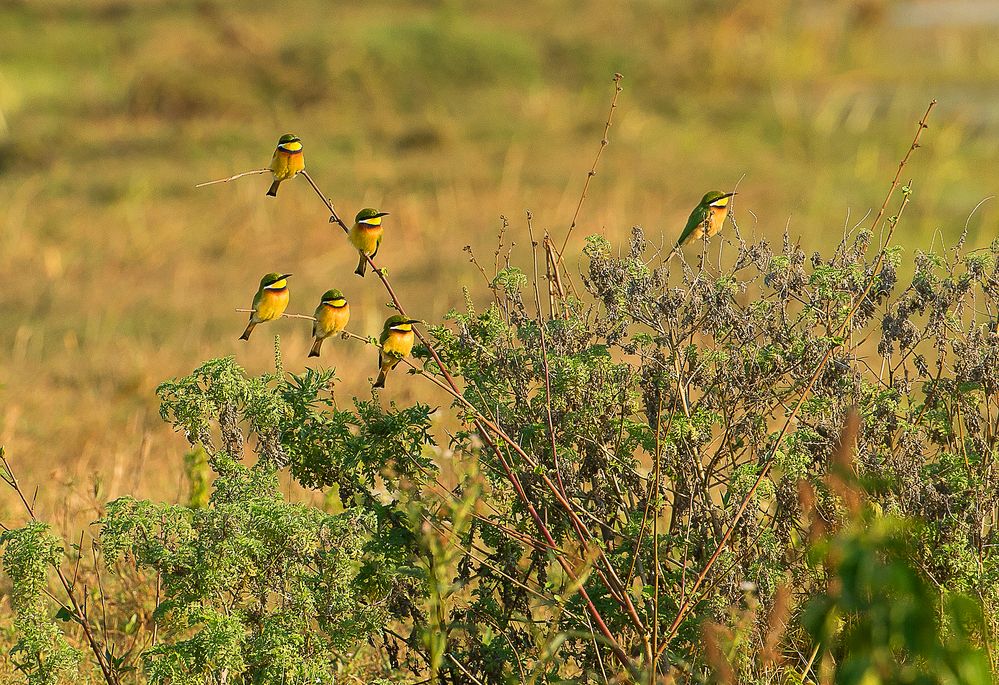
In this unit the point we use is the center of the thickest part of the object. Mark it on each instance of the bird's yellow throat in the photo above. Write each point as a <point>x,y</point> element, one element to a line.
<point>336,303</point>
<point>376,221</point>
<point>291,147</point>
<point>402,327</point>
<point>277,285</point>
<point>723,202</point>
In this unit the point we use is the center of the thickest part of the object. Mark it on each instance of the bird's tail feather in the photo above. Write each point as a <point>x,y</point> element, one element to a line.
<point>272,192</point>
<point>315,347</point>
<point>362,265</point>
<point>380,381</point>
<point>249,329</point>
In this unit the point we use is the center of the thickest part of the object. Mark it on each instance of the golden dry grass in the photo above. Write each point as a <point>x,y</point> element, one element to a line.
<point>119,274</point>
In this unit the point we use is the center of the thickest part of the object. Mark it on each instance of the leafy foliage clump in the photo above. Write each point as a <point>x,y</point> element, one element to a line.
<point>42,652</point>
<point>255,586</point>
<point>251,583</point>
<point>881,612</point>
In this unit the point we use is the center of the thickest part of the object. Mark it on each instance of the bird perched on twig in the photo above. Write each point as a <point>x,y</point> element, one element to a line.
<point>287,161</point>
<point>707,218</point>
<point>366,235</point>
<point>331,316</point>
<point>270,301</point>
<point>397,342</point>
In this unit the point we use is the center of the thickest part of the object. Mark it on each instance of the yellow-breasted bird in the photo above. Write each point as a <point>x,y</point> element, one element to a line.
<point>270,301</point>
<point>397,342</point>
<point>287,161</point>
<point>366,235</point>
<point>707,218</point>
<point>332,316</point>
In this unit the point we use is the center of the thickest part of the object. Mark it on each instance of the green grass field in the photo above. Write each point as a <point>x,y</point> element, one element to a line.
<point>119,274</point>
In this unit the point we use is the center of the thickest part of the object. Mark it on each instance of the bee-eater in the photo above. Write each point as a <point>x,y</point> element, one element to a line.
<point>287,161</point>
<point>270,301</point>
<point>332,316</point>
<point>707,218</point>
<point>366,235</point>
<point>397,342</point>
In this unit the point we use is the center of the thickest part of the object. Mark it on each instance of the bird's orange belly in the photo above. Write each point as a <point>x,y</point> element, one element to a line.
<point>272,304</point>
<point>716,220</point>
<point>288,165</point>
<point>365,239</point>
<point>332,320</point>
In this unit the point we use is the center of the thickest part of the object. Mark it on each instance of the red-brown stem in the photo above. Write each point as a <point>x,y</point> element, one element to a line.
<point>544,358</point>
<point>617,589</point>
<point>619,653</point>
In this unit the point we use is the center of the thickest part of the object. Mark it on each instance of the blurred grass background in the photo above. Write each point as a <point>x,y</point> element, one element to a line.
<point>447,113</point>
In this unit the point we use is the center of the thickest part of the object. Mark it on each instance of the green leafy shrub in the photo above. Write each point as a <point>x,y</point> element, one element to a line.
<point>42,652</point>
<point>253,585</point>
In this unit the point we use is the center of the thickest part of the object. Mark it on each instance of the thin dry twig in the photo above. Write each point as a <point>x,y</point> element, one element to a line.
<point>232,178</point>
<point>464,670</point>
<point>604,140</point>
<point>283,316</point>
<point>556,291</point>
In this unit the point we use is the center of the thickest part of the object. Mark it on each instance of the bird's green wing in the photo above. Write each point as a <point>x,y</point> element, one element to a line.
<point>256,299</point>
<point>696,218</point>
<point>383,337</point>
<point>378,243</point>
<point>315,315</point>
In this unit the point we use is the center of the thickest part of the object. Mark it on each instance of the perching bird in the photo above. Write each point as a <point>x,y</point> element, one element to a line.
<point>270,301</point>
<point>707,218</point>
<point>332,316</point>
<point>397,342</point>
<point>366,235</point>
<point>287,161</point>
